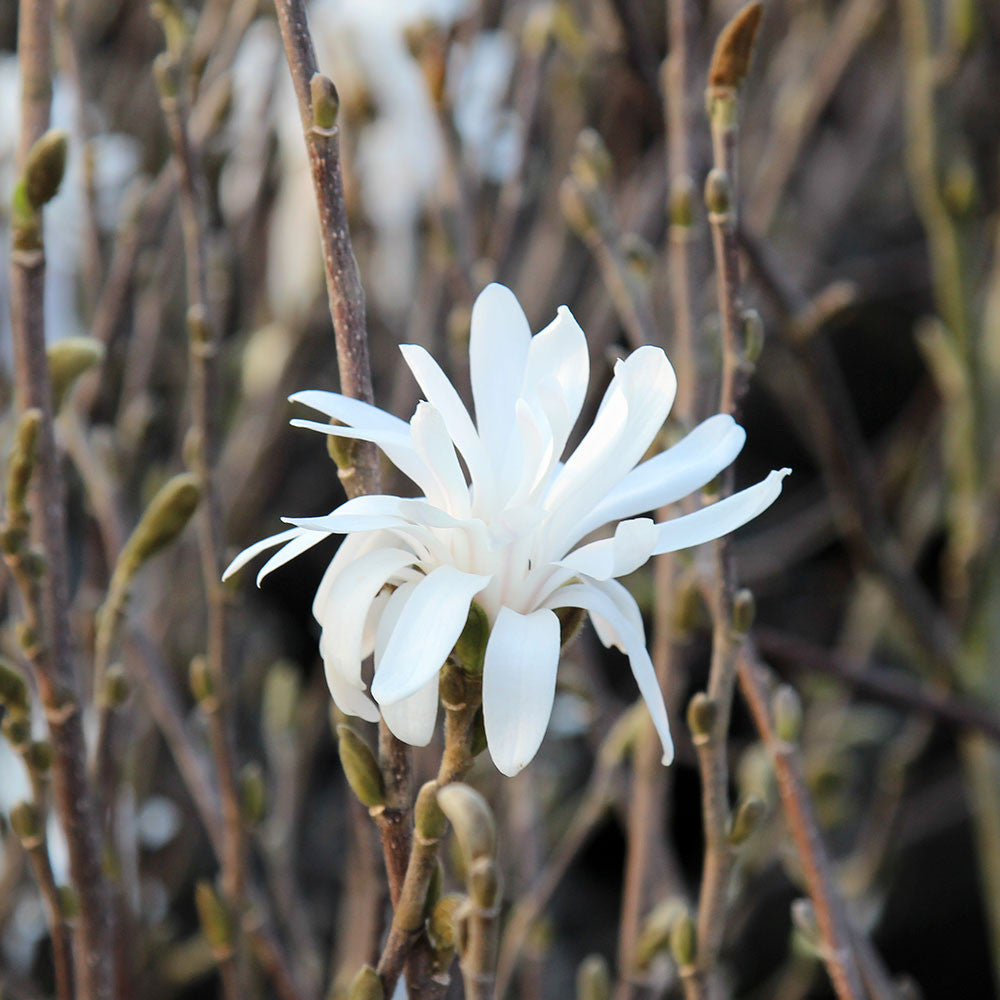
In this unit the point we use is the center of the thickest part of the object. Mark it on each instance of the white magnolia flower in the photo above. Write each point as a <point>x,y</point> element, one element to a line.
<point>508,534</point>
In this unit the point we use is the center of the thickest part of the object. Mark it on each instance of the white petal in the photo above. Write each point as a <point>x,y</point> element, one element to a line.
<point>305,541</point>
<point>428,627</point>
<point>719,518</point>
<point>411,720</point>
<point>343,612</point>
<point>597,602</point>
<point>351,548</point>
<point>434,446</point>
<point>255,550</point>
<point>351,411</point>
<point>519,685</point>
<point>498,352</point>
<point>441,394</point>
<point>349,699</point>
<point>630,548</point>
<point>673,474</point>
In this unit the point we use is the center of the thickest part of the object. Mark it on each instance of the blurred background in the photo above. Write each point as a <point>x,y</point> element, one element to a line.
<point>525,141</point>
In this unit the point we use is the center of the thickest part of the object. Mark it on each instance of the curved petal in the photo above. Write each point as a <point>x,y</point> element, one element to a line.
<point>719,518</point>
<point>345,608</point>
<point>411,720</point>
<point>498,352</point>
<point>251,551</point>
<point>519,685</point>
<point>429,625</point>
<point>596,602</point>
<point>351,548</point>
<point>673,474</point>
<point>350,411</point>
<point>305,541</point>
<point>349,699</point>
<point>630,548</point>
<point>435,448</point>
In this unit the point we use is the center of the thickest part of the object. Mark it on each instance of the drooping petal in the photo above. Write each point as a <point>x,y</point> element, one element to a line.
<point>251,551</point>
<point>348,698</point>
<point>291,549</point>
<point>595,601</point>
<point>429,625</point>
<point>673,474</point>
<point>630,548</point>
<point>346,605</point>
<point>435,447</point>
<point>719,518</point>
<point>350,411</point>
<point>351,548</point>
<point>412,719</point>
<point>498,352</point>
<point>442,395</point>
<point>519,685</point>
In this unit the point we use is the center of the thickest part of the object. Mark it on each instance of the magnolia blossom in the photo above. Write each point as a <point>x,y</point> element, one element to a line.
<point>505,529</point>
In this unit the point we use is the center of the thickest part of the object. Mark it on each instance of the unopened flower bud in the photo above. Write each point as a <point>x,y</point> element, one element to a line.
<point>576,207</point>
<point>163,521</point>
<point>45,167</point>
<point>325,102</point>
<point>472,819</point>
<point>654,933</point>
<point>68,359</point>
<point>38,758</point>
<point>282,691</point>
<point>428,819</point>
<point>202,684</point>
<point>13,690</point>
<point>639,255</point>
<point>116,687</point>
<point>198,325</point>
<point>165,73</point>
<point>787,708</point>
<point>366,985</point>
<point>471,646</point>
<point>441,924</point>
<point>21,463</point>
<point>734,47</point>
<point>804,920</point>
<point>26,822</point>
<point>360,767</point>
<point>718,192</point>
<point>17,732</point>
<point>744,611</point>
<point>746,820</point>
<point>701,715</point>
<point>69,903</point>
<point>592,164</point>
<point>483,882</point>
<point>253,793</point>
<point>683,941</point>
<point>753,335</point>
<point>216,921</point>
<point>682,202</point>
<point>593,979</point>
<point>34,563</point>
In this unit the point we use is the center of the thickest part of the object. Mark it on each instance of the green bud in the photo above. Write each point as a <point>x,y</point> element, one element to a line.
<point>69,903</point>
<point>593,979</point>
<point>343,451</point>
<point>216,922</point>
<point>21,463</point>
<point>253,793</point>
<point>472,819</point>
<point>744,611</point>
<point>202,684</point>
<point>429,821</point>
<point>13,539</point>
<point>434,885</point>
<point>282,691</point>
<point>441,923</point>
<point>28,640</point>
<point>13,690</point>
<point>165,73</point>
<point>45,167</point>
<point>453,687</point>
<point>746,820</point>
<point>654,934</point>
<point>68,359</point>
<point>116,687</point>
<point>26,822</point>
<point>34,563</point>
<point>684,941</point>
<point>477,740</point>
<point>787,708</point>
<point>483,882</point>
<point>701,715</point>
<point>639,255</point>
<point>26,220</point>
<point>578,211</point>
<point>360,767</point>
<point>718,192</point>
<point>17,731</point>
<point>959,187</point>
<point>682,202</point>
<point>38,758</point>
<point>366,985</point>
<point>753,335</point>
<point>591,165</point>
<point>199,329</point>
<point>471,646</point>
<point>325,102</point>
<point>804,921</point>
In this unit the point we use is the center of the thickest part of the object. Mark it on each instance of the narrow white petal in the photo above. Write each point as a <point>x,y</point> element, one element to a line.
<point>595,601</point>
<point>719,518</point>
<point>428,627</point>
<point>673,474</point>
<point>498,352</point>
<point>345,608</point>
<point>349,699</point>
<point>350,411</point>
<point>630,548</point>
<point>351,548</point>
<point>305,541</point>
<point>519,685</point>
<point>251,551</point>
<point>435,447</point>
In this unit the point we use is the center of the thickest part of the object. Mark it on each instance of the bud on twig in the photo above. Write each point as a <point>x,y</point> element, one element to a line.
<point>21,464</point>
<point>26,822</point>
<point>116,687</point>
<point>472,819</point>
<point>38,758</point>
<point>593,979</point>
<point>441,924</point>
<point>718,192</point>
<point>744,611</point>
<point>483,882</point>
<point>45,167</point>
<point>753,335</point>
<point>253,793</point>
<point>683,941</point>
<point>325,103</point>
<point>654,934</point>
<point>787,708</point>
<point>734,47</point>
<point>366,985</point>
<point>216,922</point>
<point>13,690</point>
<point>429,822</point>
<point>701,715</point>
<point>746,820</point>
<point>68,359</point>
<point>17,732</point>
<point>361,768</point>
<point>282,690</point>
<point>202,684</point>
<point>69,903</point>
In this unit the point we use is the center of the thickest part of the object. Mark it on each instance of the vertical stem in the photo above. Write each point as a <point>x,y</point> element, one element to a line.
<point>51,655</point>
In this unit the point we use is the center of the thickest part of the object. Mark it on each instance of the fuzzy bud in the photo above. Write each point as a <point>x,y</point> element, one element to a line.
<point>366,985</point>
<point>787,708</point>
<point>26,822</point>
<point>253,793</point>
<point>701,715</point>
<point>68,359</point>
<point>216,921</point>
<point>441,924</point>
<point>804,920</point>
<point>654,934</point>
<point>202,684</point>
<point>734,47</point>
<point>45,167</point>
<point>38,758</point>
<point>684,941</point>
<point>744,611</point>
<point>13,690</point>
<point>681,207</point>
<point>17,732</point>
<point>718,192</point>
<point>69,903</point>
<point>428,820</point>
<point>746,820</point>
<point>470,649</point>
<point>21,464</point>
<point>593,979</point>
<point>578,211</point>
<point>753,335</point>
<point>472,819</point>
<point>592,164</point>
<point>360,767</point>
<point>325,102</point>
<point>115,688</point>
